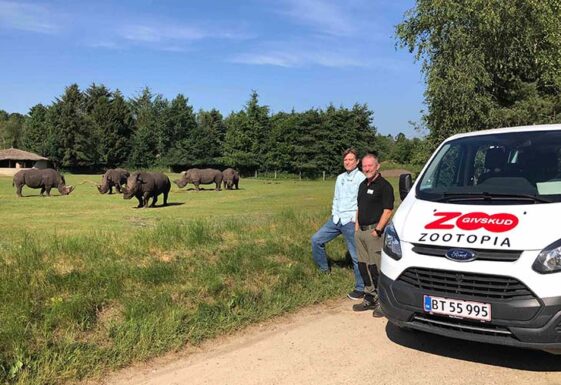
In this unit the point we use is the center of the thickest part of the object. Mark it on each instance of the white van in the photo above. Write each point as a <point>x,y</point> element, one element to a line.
<point>474,250</point>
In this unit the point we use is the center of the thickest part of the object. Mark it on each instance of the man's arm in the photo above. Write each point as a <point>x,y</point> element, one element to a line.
<point>335,197</point>
<point>387,201</point>
<point>384,219</point>
<point>356,222</point>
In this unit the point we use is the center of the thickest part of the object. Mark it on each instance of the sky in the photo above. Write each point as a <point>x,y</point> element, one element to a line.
<point>297,54</point>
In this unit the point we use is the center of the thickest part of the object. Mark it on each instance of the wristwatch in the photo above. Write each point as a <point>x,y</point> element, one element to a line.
<point>379,232</point>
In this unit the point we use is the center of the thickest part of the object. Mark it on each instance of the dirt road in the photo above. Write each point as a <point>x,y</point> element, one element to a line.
<point>329,344</point>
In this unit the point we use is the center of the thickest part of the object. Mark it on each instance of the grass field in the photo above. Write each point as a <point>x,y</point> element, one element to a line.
<point>89,283</point>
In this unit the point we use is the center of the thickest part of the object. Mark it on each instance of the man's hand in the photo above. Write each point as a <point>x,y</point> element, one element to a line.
<point>376,233</point>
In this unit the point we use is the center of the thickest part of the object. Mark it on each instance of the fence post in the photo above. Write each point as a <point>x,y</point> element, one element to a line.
<point>255,174</point>
<point>275,174</point>
<point>324,176</point>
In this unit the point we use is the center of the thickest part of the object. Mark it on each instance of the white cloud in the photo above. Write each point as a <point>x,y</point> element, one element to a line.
<point>103,44</point>
<point>160,33</point>
<point>322,15</point>
<point>299,59</point>
<point>27,17</point>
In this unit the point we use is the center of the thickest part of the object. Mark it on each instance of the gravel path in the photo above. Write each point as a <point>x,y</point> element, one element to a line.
<point>329,344</point>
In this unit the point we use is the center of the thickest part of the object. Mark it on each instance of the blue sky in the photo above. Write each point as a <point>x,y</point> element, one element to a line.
<point>295,53</point>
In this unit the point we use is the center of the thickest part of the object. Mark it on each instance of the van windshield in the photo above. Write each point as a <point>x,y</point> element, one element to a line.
<point>506,168</point>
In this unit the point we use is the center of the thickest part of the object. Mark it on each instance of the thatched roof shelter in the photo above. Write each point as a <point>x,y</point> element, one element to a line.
<point>12,160</point>
<point>15,154</point>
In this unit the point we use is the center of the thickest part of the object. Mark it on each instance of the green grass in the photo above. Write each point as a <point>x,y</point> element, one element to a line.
<point>88,283</point>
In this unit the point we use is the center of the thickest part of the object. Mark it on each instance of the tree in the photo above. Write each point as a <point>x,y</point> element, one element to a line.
<point>487,63</point>
<point>74,144</point>
<point>237,142</point>
<point>306,148</point>
<point>181,138</point>
<point>35,134</point>
<point>97,107</point>
<point>117,144</point>
<point>11,127</point>
<point>112,125</point>
<point>211,128</point>
<point>281,141</point>
<point>402,149</point>
<point>144,151</point>
<point>246,135</point>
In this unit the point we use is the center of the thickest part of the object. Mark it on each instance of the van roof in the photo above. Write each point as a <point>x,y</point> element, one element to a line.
<point>537,127</point>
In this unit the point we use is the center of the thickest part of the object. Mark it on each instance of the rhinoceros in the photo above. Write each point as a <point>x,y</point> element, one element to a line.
<point>230,179</point>
<point>146,185</point>
<point>115,177</point>
<point>198,176</point>
<point>45,179</point>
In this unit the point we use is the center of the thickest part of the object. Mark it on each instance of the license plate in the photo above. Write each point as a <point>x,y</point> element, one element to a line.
<point>457,308</point>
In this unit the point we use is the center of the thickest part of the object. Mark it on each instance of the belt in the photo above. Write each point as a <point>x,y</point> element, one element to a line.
<point>368,227</point>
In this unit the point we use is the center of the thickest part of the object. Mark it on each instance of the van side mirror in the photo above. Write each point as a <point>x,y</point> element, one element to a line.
<point>405,183</point>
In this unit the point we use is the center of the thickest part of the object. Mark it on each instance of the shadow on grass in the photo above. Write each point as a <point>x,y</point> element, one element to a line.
<point>43,196</point>
<point>496,355</point>
<point>347,262</point>
<point>160,206</point>
<point>201,189</point>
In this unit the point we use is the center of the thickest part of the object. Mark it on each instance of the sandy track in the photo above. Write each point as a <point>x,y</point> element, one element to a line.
<point>329,344</point>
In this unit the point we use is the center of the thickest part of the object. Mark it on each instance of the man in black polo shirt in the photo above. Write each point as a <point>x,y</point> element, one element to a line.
<point>375,204</point>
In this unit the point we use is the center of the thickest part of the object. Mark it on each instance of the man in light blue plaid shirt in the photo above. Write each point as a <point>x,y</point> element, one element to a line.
<point>342,220</point>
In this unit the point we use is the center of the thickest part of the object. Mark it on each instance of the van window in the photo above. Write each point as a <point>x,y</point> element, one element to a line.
<point>508,168</point>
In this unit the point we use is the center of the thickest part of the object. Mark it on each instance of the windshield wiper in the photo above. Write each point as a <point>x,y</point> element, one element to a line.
<point>487,196</point>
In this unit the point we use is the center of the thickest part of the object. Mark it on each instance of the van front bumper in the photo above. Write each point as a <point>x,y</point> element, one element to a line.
<point>531,323</point>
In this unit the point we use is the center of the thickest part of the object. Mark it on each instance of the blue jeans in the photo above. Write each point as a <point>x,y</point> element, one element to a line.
<point>327,233</point>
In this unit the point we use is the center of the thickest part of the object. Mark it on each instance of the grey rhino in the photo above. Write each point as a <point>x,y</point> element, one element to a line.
<point>198,176</point>
<point>115,177</point>
<point>231,178</point>
<point>146,185</point>
<point>45,179</point>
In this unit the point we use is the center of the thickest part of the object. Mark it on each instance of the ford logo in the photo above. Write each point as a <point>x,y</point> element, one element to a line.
<point>460,255</point>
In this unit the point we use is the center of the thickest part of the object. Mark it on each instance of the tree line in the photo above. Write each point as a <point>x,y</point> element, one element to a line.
<point>98,128</point>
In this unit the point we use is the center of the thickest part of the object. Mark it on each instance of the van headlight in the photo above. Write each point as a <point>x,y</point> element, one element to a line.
<point>549,259</point>
<point>392,246</point>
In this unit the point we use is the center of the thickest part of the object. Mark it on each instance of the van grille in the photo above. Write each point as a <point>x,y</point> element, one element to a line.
<point>470,284</point>
<point>461,326</point>
<point>481,254</point>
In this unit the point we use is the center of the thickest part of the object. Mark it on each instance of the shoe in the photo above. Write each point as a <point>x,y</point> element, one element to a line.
<point>356,295</point>
<point>364,305</point>
<point>378,312</point>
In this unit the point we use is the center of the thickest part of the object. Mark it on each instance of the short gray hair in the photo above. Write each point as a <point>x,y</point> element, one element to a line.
<point>372,155</point>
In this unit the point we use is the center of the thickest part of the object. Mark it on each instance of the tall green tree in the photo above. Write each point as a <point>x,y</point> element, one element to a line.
<point>11,128</point>
<point>144,151</point>
<point>36,132</point>
<point>487,63</point>
<point>75,144</point>
<point>402,149</point>
<point>180,139</point>
<point>247,134</point>
<point>306,145</point>
<point>117,144</point>
<point>97,107</point>
<point>112,124</point>
<point>282,137</point>
<point>258,126</point>
<point>212,130</point>
<point>238,143</point>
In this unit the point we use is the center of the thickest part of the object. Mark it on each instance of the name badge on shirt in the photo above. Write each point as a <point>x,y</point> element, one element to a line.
<point>370,192</point>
